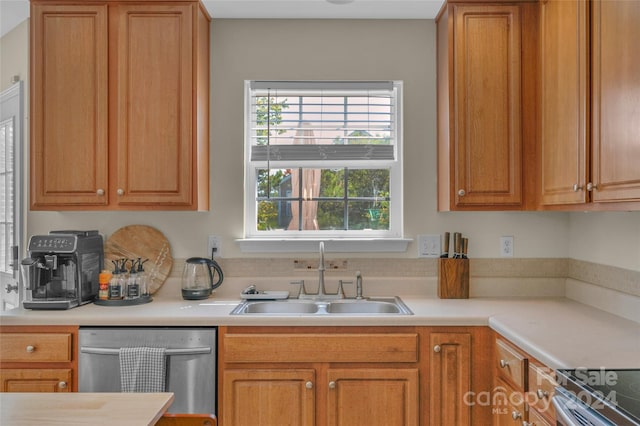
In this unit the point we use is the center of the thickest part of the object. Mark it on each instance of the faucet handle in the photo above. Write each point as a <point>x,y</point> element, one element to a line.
<point>340,291</point>
<point>301,291</point>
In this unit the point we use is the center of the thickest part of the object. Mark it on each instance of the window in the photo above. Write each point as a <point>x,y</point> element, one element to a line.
<point>11,118</point>
<point>323,159</point>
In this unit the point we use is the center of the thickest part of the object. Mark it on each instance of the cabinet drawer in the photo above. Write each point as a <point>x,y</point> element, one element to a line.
<point>509,407</point>
<point>319,347</point>
<point>541,387</point>
<point>536,419</point>
<point>36,347</point>
<point>511,364</point>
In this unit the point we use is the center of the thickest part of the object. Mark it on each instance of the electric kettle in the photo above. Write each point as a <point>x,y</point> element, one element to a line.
<point>198,278</point>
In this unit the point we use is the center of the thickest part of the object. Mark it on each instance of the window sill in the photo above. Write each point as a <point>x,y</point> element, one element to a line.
<point>342,245</point>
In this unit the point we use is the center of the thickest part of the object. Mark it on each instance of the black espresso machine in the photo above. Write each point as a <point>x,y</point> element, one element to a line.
<point>61,269</point>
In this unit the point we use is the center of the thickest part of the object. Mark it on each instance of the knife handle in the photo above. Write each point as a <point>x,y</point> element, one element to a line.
<point>465,247</point>
<point>457,242</point>
<point>446,245</point>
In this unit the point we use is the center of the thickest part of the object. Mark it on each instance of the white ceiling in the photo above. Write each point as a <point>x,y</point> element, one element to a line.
<point>12,12</point>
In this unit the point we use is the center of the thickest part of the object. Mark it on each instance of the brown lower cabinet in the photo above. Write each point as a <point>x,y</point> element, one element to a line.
<point>523,388</point>
<point>405,376</point>
<point>38,359</point>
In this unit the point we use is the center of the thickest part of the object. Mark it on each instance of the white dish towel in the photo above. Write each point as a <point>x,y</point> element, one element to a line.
<point>143,369</point>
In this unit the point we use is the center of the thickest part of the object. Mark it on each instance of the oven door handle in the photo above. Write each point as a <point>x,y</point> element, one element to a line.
<point>565,405</point>
<point>168,352</point>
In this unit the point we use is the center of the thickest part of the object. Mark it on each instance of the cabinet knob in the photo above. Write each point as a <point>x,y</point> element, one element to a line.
<point>591,186</point>
<point>332,385</point>
<point>577,187</point>
<point>503,363</point>
<point>542,393</point>
<point>462,192</point>
<point>30,348</point>
<point>437,348</point>
<point>100,192</point>
<point>308,385</point>
<point>515,415</point>
<point>120,191</point>
<point>62,385</point>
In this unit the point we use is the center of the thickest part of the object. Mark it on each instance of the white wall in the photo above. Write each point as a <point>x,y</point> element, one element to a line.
<point>310,49</point>
<point>611,238</point>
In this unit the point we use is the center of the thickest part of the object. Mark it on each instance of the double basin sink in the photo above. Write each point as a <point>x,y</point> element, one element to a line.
<point>368,306</point>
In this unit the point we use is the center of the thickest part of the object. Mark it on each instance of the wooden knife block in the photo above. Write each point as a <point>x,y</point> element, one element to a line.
<point>453,278</point>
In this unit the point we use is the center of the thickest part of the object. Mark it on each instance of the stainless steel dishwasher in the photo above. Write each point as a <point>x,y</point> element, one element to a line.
<point>190,357</point>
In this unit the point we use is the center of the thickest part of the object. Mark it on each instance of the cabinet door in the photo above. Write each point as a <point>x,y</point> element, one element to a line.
<point>616,104</point>
<point>35,380</point>
<point>274,397</point>
<point>563,32</point>
<point>487,112</point>
<point>69,163</point>
<point>450,379</point>
<point>152,74</point>
<point>372,397</point>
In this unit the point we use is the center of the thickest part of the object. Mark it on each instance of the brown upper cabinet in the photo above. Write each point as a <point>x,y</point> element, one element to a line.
<point>119,105</point>
<point>590,73</point>
<point>486,79</point>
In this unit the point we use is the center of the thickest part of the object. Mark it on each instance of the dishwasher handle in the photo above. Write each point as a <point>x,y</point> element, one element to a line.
<point>168,352</point>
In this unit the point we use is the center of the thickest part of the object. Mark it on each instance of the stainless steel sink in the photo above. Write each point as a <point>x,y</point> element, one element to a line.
<point>273,307</point>
<point>369,306</point>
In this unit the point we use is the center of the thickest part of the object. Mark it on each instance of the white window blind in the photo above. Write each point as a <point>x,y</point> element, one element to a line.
<point>323,121</point>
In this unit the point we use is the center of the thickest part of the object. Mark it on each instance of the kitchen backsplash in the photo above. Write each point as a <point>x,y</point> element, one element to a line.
<point>489,277</point>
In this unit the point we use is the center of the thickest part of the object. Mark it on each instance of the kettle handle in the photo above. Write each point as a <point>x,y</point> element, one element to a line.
<point>214,265</point>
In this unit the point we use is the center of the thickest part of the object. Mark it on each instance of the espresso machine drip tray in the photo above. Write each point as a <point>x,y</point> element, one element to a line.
<point>51,304</point>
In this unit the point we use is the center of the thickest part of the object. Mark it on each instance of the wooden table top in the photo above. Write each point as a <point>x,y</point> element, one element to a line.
<point>73,408</point>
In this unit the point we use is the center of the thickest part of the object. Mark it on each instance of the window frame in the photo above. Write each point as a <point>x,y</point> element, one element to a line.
<point>394,234</point>
<point>12,99</point>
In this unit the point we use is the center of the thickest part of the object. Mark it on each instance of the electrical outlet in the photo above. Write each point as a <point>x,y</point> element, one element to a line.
<point>214,242</point>
<point>506,246</point>
<point>429,245</point>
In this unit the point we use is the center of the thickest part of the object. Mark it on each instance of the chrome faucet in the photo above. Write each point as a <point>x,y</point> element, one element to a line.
<point>322,291</point>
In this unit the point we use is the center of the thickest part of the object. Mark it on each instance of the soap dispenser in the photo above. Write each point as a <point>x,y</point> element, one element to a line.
<point>133,284</point>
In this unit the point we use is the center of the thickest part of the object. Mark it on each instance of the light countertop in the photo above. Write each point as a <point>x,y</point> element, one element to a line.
<point>68,409</point>
<point>558,332</point>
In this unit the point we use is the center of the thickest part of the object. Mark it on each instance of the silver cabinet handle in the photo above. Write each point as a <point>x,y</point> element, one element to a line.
<point>120,191</point>
<point>437,348</point>
<point>30,348</point>
<point>332,385</point>
<point>308,385</point>
<point>100,191</point>
<point>591,186</point>
<point>503,363</point>
<point>515,415</point>
<point>542,393</point>
<point>62,385</point>
<point>577,187</point>
<point>462,192</point>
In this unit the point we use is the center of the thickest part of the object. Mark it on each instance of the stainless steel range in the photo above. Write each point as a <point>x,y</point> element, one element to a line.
<point>599,397</point>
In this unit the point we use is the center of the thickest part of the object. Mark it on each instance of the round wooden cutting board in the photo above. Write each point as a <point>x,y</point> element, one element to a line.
<point>134,241</point>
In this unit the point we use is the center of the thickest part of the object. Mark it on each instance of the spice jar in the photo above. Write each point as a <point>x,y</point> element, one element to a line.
<point>103,290</point>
